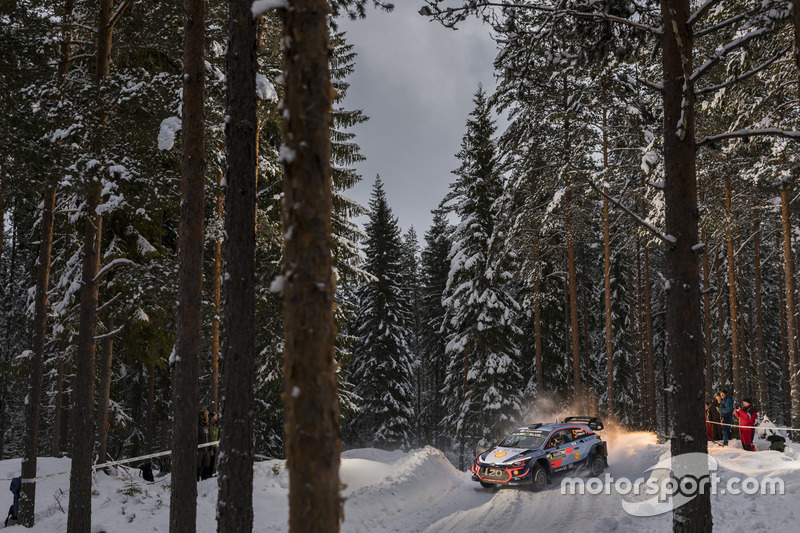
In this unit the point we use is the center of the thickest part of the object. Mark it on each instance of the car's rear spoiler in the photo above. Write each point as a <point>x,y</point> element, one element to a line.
<point>594,423</point>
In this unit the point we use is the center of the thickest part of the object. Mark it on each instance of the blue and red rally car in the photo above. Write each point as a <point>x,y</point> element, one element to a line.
<point>533,454</point>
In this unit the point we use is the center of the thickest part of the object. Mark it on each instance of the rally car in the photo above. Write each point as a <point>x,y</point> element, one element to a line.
<point>533,454</point>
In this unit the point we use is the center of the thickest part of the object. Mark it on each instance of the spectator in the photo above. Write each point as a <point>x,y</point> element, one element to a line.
<point>713,417</point>
<point>726,415</point>
<point>709,430</point>
<point>747,417</point>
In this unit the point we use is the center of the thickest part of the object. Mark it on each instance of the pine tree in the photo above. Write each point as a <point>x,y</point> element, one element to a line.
<point>382,369</point>
<point>483,385</point>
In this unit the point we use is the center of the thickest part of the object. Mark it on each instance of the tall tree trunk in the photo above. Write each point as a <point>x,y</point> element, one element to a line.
<point>648,422</point>
<point>732,304</point>
<point>648,337</point>
<point>149,437</point>
<point>188,346</point>
<point>235,509</point>
<point>786,400</point>
<point>707,313</point>
<point>636,413</point>
<point>791,332</point>
<point>607,275</point>
<point>537,310</point>
<point>33,405</point>
<point>55,446</point>
<point>723,370</point>
<point>216,292</point>
<point>682,269</point>
<point>577,390</point>
<point>79,518</point>
<point>104,394</point>
<point>763,397</point>
<point>312,409</point>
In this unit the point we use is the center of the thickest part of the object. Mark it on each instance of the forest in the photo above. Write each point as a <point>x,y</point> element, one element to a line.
<point>623,247</point>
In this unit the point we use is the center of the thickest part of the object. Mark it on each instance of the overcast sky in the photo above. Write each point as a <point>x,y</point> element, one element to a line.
<point>415,80</point>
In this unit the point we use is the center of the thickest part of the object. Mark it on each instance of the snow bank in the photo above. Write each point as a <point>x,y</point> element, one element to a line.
<point>420,491</point>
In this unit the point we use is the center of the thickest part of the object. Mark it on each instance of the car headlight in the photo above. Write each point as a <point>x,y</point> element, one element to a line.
<point>520,463</point>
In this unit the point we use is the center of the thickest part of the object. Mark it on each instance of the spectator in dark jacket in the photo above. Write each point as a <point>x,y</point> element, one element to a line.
<point>726,415</point>
<point>714,418</point>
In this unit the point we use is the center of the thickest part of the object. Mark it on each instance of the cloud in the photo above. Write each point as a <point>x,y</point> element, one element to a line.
<point>415,80</point>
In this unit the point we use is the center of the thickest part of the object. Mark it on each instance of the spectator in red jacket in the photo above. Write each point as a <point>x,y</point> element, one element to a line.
<point>709,429</point>
<point>747,417</point>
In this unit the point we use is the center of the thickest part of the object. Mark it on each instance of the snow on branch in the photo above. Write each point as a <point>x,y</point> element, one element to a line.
<point>109,334</point>
<point>723,24</point>
<point>452,15</point>
<point>120,10</point>
<point>702,10</point>
<point>668,239</point>
<point>262,6</point>
<point>710,139</point>
<point>727,49</point>
<point>733,80</point>
<point>111,266</point>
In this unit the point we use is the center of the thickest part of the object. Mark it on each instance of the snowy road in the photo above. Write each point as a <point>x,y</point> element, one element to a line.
<point>421,492</point>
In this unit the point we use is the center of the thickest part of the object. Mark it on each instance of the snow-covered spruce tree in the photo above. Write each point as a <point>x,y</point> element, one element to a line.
<point>381,370</point>
<point>434,268</point>
<point>412,285</point>
<point>483,386</point>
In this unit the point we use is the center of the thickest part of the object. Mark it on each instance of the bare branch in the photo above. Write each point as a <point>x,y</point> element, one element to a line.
<point>710,139</point>
<point>670,241</point>
<point>733,80</point>
<point>115,17</point>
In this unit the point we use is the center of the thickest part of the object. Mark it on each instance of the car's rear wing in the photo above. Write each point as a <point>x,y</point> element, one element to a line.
<point>593,422</point>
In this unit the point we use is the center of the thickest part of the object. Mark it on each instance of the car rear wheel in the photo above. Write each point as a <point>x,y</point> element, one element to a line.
<point>598,464</point>
<point>539,478</point>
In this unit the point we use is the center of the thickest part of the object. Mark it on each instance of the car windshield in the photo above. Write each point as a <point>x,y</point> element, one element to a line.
<point>529,441</point>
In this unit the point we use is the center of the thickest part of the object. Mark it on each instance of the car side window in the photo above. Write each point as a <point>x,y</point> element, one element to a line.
<point>578,433</point>
<point>559,437</point>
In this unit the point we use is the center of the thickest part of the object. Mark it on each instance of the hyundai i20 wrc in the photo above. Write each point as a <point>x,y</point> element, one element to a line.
<point>533,454</point>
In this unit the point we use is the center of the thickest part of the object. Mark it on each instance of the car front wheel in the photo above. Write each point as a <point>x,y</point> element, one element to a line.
<point>539,478</point>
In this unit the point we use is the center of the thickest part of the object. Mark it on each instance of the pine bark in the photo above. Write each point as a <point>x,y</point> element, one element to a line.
<point>723,370</point>
<point>682,267</point>
<point>732,304</point>
<point>791,331</point>
<point>607,276</point>
<point>79,517</point>
<point>312,412</point>
<point>216,292</point>
<point>104,393</point>
<point>186,367</point>
<point>33,407</point>
<point>707,313</point>
<point>786,399</point>
<point>234,508</point>
<point>55,445</point>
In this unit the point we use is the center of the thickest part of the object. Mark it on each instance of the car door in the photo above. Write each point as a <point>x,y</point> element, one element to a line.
<point>581,445</point>
<point>557,446</point>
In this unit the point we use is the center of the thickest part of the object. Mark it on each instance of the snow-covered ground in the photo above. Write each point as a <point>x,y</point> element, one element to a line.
<point>420,491</point>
